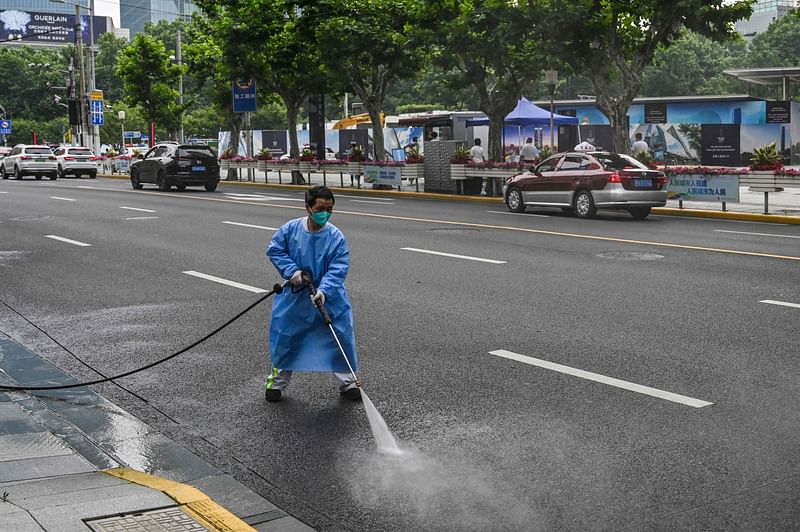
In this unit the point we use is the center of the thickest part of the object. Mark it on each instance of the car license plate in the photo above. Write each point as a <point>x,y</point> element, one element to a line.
<point>40,160</point>
<point>642,183</point>
<point>198,168</point>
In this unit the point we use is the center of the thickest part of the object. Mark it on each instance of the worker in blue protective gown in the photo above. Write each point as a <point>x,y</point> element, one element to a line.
<point>299,339</point>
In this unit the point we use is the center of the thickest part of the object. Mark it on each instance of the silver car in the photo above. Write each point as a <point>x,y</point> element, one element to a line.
<point>30,159</point>
<point>77,161</point>
<point>581,183</point>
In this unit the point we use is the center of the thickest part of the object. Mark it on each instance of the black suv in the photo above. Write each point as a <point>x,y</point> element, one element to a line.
<point>171,164</point>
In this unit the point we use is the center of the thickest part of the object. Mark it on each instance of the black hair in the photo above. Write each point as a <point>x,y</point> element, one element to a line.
<point>477,142</point>
<point>318,192</point>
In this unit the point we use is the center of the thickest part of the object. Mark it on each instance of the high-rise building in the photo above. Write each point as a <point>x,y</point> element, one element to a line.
<point>134,14</point>
<point>764,13</point>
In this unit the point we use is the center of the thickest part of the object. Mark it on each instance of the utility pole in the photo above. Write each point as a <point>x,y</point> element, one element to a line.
<point>82,75</point>
<point>92,85</point>
<point>179,59</point>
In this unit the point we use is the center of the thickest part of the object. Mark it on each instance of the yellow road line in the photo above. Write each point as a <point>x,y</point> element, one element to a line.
<point>487,226</point>
<point>192,500</point>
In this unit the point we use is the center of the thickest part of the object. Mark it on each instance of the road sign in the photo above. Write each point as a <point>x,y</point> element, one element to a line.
<point>145,138</point>
<point>97,108</point>
<point>244,96</point>
<point>5,127</point>
<point>131,134</point>
<point>96,94</point>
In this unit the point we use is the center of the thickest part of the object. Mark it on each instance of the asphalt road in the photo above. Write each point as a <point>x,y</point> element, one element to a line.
<point>493,443</point>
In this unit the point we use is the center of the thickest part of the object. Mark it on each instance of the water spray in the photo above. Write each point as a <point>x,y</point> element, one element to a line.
<point>307,281</point>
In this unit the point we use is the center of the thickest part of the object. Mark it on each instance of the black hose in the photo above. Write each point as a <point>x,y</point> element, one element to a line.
<point>276,289</point>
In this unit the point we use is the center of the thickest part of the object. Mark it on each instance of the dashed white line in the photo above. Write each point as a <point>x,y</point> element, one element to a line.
<point>240,224</point>
<point>360,197</point>
<point>780,303</point>
<point>596,377</point>
<point>85,186</point>
<point>62,199</point>
<point>67,240</point>
<point>756,234</point>
<point>454,256</point>
<point>227,282</point>
<point>136,209</point>
<point>521,214</point>
<point>370,201</point>
<point>2,192</point>
<point>142,218</point>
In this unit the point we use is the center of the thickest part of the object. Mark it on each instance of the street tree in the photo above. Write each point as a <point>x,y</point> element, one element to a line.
<point>779,46</point>
<point>148,77</point>
<point>369,45</point>
<point>29,81</point>
<point>109,48</point>
<point>612,42</point>
<point>693,65</point>
<point>493,46</point>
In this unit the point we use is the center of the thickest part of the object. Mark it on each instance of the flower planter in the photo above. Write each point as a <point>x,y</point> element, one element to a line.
<point>458,172</point>
<point>263,165</point>
<point>413,171</point>
<point>339,168</point>
<point>224,164</point>
<point>481,173</point>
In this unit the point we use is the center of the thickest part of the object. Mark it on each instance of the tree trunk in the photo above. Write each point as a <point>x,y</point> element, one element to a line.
<point>496,124</point>
<point>237,122</point>
<point>377,134</point>
<point>292,109</point>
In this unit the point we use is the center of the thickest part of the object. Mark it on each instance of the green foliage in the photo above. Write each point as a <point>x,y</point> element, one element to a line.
<point>109,49</point>
<point>766,157</point>
<point>461,155</point>
<point>779,46</point>
<point>694,65</point>
<point>418,107</point>
<point>24,88</point>
<point>47,131</point>
<point>148,77</point>
<point>545,152</point>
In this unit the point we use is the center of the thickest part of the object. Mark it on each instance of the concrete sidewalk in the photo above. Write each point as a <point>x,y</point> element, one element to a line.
<point>70,460</point>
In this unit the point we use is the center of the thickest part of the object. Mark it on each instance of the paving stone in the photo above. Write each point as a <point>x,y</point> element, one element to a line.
<point>79,496</point>
<point>50,466</point>
<point>231,494</point>
<point>82,481</point>
<point>17,520</point>
<point>31,445</point>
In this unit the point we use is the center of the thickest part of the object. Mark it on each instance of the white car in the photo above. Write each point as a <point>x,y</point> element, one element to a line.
<point>30,159</point>
<point>77,161</point>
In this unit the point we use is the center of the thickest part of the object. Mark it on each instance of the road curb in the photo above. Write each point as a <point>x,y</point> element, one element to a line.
<point>663,211</point>
<point>193,501</point>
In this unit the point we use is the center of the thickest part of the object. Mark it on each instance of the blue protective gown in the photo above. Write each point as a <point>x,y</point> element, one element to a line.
<point>299,340</point>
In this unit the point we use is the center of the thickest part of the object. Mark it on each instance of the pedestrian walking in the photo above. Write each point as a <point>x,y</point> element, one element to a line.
<point>640,146</point>
<point>299,340</point>
<point>529,153</point>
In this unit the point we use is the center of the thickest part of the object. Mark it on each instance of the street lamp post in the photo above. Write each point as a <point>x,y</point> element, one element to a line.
<point>551,77</point>
<point>121,116</point>
<point>95,136</point>
<point>3,117</point>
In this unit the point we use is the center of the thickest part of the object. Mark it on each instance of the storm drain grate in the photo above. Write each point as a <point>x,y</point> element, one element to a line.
<point>169,519</point>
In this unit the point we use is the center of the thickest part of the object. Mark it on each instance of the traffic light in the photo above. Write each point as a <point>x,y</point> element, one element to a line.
<point>74,112</point>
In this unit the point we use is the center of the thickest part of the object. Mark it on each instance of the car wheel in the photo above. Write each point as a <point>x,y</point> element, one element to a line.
<point>584,205</point>
<point>53,177</point>
<point>514,200</point>
<point>92,175</point>
<point>639,213</point>
<point>61,173</point>
<point>3,172</point>
<point>162,183</point>
<point>17,173</point>
<point>38,177</point>
<point>211,187</point>
<point>181,187</point>
<point>135,181</point>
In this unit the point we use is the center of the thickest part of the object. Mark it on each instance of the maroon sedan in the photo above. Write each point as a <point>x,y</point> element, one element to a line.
<point>583,182</point>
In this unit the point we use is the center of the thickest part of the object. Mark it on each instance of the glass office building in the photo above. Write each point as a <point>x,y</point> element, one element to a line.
<point>43,6</point>
<point>134,14</point>
<point>764,13</point>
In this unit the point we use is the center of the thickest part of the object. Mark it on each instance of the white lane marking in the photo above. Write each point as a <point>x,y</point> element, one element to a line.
<point>780,303</point>
<point>225,282</point>
<point>757,234</point>
<point>137,209</point>
<point>370,201</point>
<point>465,257</point>
<point>711,219</point>
<point>360,197</point>
<point>67,240</point>
<point>596,377</point>
<point>261,197</point>
<point>85,186</point>
<point>521,214</point>
<point>2,192</point>
<point>251,225</point>
<point>142,218</point>
<point>62,199</point>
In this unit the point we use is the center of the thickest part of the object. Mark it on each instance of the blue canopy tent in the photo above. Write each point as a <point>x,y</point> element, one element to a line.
<point>526,114</point>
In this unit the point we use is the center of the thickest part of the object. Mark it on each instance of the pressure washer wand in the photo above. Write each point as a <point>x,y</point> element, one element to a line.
<point>327,319</point>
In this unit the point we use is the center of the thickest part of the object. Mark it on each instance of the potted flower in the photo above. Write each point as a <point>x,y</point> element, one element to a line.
<point>457,162</point>
<point>766,158</point>
<point>225,159</point>
<point>263,158</point>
